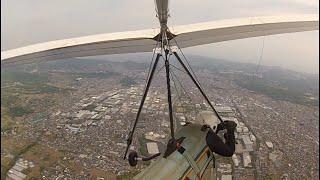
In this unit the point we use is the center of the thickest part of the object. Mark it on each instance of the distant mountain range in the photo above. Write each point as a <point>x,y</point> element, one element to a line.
<point>296,83</point>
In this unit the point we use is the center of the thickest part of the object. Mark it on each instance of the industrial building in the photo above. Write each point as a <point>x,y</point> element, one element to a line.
<point>152,148</point>
<point>247,143</point>
<point>246,159</point>
<point>235,160</point>
<point>269,144</point>
<point>226,177</point>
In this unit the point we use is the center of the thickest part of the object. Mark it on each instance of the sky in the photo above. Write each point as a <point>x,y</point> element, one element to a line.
<point>34,21</point>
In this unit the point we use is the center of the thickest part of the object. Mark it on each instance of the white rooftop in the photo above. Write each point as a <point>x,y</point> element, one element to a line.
<point>152,148</point>
<point>226,177</point>
<point>246,159</point>
<point>269,144</point>
<point>246,139</point>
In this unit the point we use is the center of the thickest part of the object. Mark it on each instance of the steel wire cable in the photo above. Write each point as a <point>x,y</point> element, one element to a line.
<point>187,94</point>
<point>261,55</point>
<point>152,59</point>
<point>196,78</point>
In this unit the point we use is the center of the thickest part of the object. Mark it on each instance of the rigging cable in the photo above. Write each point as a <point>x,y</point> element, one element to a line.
<point>159,70</point>
<point>150,67</point>
<point>260,58</point>
<point>194,75</point>
<point>154,75</point>
<point>175,86</point>
<point>179,96</point>
<point>154,52</point>
<point>261,53</point>
<point>188,96</point>
<point>197,81</point>
<point>178,69</point>
<point>175,97</point>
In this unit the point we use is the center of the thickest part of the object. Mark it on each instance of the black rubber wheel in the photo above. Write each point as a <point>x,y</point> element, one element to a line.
<point>133,158</point>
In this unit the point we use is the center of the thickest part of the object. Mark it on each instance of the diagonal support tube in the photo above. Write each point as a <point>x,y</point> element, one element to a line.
<point>129,140</point>
<point>169,95</point>
<point>197,84</point>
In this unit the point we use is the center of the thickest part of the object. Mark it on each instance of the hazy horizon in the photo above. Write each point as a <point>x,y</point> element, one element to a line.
<point>190,56</point>
<point>34,21</point>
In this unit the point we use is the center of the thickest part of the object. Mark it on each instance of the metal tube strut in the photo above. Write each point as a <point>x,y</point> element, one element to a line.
<point>169,94</point>
<point>197,84</point>
<point>129,140</point>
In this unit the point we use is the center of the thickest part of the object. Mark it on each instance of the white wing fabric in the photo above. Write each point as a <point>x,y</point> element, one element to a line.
<point>225,30</point>
<point>101,44</point>
<point>145,40</point>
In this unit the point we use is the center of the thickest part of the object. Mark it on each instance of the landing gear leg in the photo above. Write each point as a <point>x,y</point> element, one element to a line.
<point>129,140</point>
<point>172,144</point>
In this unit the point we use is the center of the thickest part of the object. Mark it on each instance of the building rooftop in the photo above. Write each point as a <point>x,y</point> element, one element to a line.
<point>246,139</point>
<point>152,148</point>
<point>246,159</point>
<point>269,144</point>
<point>235,160</point>
<point>226,177</point>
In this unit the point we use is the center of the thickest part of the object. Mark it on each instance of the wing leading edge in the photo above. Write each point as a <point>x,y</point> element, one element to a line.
<point>144,40</point>
<point>101,44</point>
<point>225,30</point>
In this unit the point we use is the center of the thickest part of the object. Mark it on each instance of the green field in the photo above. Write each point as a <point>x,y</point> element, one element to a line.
<point>22,92</point>
<point>127,81</point>
<point>278,91</point>
<point>101,75</point>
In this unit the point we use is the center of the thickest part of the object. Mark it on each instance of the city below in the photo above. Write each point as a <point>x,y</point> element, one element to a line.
<point>62,120</point>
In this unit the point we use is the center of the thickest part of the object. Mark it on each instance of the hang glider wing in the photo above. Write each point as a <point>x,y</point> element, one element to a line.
<point>225,30</point>
<point>145,40</point>
<point>101,44</point>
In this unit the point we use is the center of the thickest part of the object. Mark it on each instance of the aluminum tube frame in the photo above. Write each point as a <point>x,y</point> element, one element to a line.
<point>167,65</point>
<point>129,140</point>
